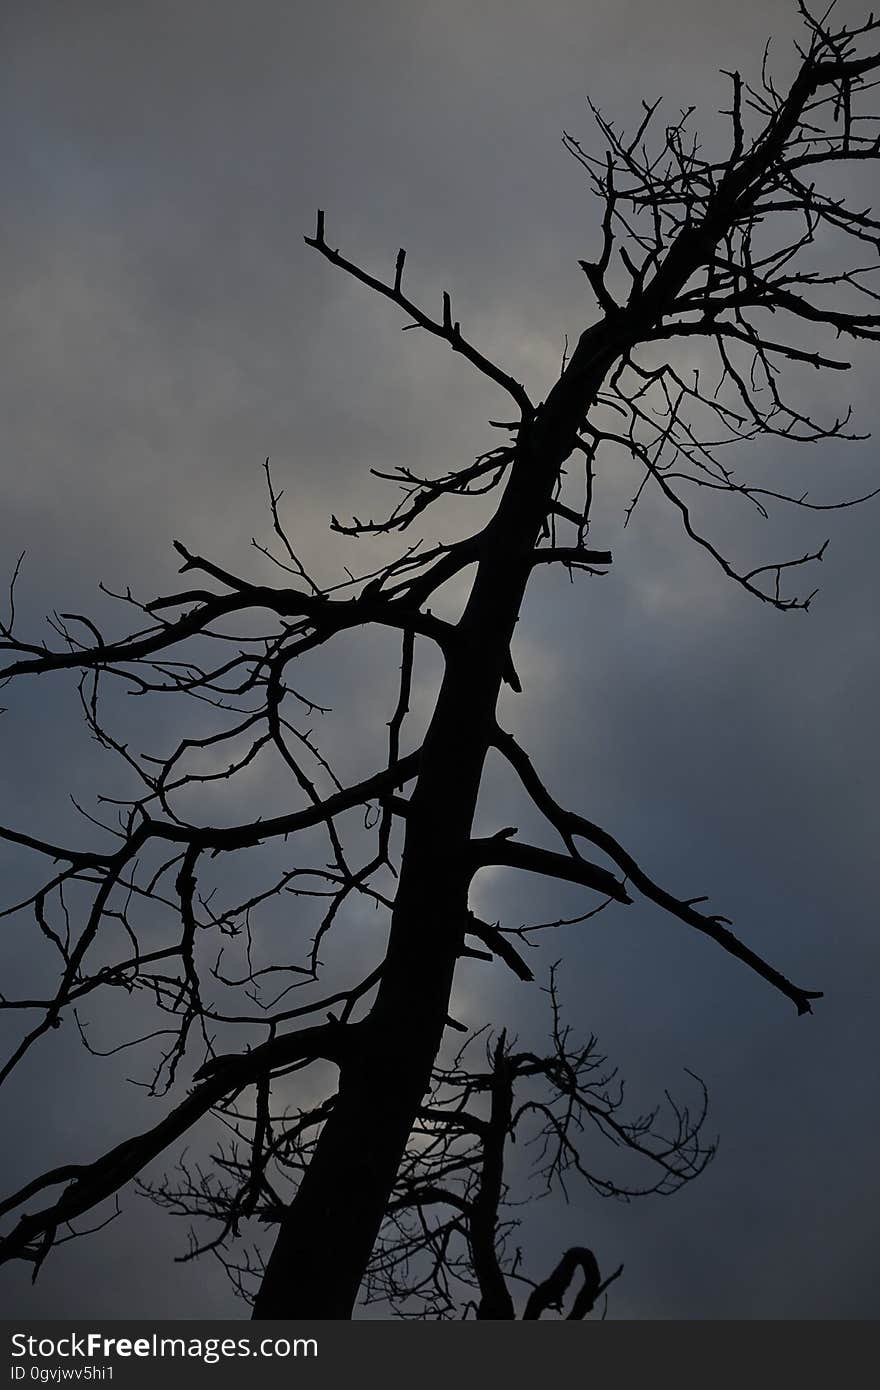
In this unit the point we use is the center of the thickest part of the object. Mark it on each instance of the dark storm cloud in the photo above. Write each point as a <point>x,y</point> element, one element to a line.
<point>166,329</point>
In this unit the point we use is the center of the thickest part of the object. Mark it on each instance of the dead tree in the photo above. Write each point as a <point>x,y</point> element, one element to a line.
<point>449,1244</point>
<point>717,251</point>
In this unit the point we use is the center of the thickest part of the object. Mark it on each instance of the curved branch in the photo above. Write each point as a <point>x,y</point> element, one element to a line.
<point>513,854</point>
<point>92,1183</point>
<point>569,824</point>
<point>551,1292</point>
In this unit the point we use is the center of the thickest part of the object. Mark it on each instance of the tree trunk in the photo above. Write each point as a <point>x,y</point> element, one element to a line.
<point>328,1232</point>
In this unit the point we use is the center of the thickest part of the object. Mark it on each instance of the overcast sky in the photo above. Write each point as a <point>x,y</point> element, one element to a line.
<point>166,329</point>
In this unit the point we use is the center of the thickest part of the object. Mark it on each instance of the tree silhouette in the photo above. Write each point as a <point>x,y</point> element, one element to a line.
<point>731,254</point>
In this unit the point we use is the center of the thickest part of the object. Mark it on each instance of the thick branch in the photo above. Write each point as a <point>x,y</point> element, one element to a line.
<point>513,854</point>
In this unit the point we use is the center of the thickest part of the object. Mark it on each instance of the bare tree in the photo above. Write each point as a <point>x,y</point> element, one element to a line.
<point>732,252</point>
<point>446,1247</point>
